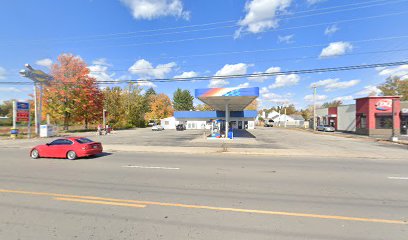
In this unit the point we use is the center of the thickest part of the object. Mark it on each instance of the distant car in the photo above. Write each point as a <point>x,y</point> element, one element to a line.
<point>325,128</point>
<point>180,127</point>
<point>151,123</point>
<point>157,128</point>
<point>70,148</point>
<point>269,123</point>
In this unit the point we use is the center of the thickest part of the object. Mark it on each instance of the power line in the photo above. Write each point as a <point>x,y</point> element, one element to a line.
<point>234,76</point>
<point>92,38</point>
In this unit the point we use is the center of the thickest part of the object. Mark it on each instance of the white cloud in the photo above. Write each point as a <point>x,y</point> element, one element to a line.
<point>100,73</point>
<point>190,74</point>
<point>332,84</point>
<point>336,49</point>
<point>267,96</point>
<point>261,15</point>
<point>344,98</point>
<point>100,70</point>
<point>151,9</point>
<point>101,61</point>
<point>264,90</point>
<point>46,62</point>
<point>323,83</point>
<point>285,81</point>
<point>10,89</point>
<point>312,2</point>
<point>243,85</point>
<point>3,73</point>
<point>228,69</point>
<point>147,84</point>
<point>400,71</point>
<point>319,98</point>
<point>145,69</point>
<point>263,78</point>
<point>330,30</point>
<point>286,39</point>
<point>214,83</point>
<point>369,90</point>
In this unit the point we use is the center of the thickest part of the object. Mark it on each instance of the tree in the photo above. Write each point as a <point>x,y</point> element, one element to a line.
<point>253,105</point>
<point>307,113</point>
<point>160,107</point>
<point>148,98</point>
<point>203,107</point>
<point>183,100</point>
<point>395,86</point>
<point>72,95</point>
<point>290,109</point>
<point>135,106</point>
<point>6,109</point>
<point>334,103</point>
<point>113,104</point>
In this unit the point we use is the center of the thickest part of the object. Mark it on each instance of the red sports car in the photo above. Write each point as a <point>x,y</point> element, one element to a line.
<point>71,148</point>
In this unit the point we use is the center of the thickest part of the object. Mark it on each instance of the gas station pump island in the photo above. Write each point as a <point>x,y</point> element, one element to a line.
<point>228,105</point>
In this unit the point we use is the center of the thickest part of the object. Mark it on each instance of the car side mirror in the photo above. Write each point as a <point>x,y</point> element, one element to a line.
<point>48,144</point>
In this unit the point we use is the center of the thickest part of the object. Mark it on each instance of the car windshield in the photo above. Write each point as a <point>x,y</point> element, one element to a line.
<point>84,140</point>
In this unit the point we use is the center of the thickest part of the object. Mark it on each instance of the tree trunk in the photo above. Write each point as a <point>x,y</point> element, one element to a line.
<point>86,123</point>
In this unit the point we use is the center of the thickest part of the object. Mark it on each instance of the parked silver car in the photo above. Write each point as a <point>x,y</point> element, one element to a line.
<point>325,128</point>
<point>157,128</point>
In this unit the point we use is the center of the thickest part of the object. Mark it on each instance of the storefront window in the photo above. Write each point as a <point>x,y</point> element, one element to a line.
<point>383,122</point>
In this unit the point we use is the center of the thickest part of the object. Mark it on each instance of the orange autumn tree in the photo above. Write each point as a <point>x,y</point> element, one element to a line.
<point>73,96</point>
<point>160,107</point>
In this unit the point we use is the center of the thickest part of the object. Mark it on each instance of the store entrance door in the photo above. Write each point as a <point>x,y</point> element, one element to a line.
<point>404,125</point>
<point>239,124</point>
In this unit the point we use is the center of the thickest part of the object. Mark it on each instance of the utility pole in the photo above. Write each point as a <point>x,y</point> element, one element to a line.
<point>285,116</point>
<point>394,138</point>
<point>314,109</point>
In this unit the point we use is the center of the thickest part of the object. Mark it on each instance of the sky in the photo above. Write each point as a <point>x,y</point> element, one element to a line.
<point>150,39</point>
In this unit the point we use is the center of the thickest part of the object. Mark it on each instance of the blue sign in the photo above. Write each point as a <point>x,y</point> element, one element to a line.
<point>23,106</point>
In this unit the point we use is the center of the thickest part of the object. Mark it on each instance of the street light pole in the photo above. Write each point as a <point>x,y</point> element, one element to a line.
<point>314,108</point>
<point>39,78</point>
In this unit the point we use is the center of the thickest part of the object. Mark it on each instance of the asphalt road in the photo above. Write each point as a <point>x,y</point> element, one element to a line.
<point>168,196</point>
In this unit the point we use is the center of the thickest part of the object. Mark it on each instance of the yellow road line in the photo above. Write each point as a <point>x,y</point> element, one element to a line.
<point>100,202</point>
<point>114,200</point>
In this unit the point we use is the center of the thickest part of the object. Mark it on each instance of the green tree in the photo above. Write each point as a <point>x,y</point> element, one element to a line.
<point>203,107</point>
<point>114,105</point>
<point>6,109</point>
<point>148,97</point>
<point>334,103</point>
<point>135,106</point>
<point>183,100</point>
<point>395,86</point>
<point>290,109</point>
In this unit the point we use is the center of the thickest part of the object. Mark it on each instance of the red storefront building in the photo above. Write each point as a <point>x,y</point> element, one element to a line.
<point>369,116</point>
<point>374,115</point>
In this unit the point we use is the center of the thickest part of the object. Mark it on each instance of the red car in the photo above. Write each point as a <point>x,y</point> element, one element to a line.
<point>71,148</point>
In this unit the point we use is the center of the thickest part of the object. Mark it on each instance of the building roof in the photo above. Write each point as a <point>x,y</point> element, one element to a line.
<point>236,98</point>
<point>250,114</point>
<point>297,117</point>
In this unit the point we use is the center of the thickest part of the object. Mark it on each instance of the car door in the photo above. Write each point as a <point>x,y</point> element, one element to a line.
<point>51,148</point>
<point>64,146</point>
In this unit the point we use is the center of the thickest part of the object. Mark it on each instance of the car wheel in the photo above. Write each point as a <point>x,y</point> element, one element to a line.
<point>71,155</point>
<point>35,154</point>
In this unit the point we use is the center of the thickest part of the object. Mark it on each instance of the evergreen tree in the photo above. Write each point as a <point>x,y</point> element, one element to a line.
<point>182,100</point>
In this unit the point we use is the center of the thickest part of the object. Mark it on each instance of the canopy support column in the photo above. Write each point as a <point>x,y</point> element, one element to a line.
<point>227,113</point>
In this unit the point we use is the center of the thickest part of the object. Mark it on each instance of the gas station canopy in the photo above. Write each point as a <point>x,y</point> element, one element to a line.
<point>236,98</point>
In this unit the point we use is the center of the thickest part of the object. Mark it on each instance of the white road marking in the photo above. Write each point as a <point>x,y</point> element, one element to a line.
<point>147,167</point>
<point>398,178</point>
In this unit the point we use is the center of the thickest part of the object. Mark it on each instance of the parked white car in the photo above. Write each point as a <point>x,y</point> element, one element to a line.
<point>157,128</point>
<point>325,128</point>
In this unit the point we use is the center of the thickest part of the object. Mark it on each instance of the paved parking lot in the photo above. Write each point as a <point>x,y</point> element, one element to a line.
<point>282,141</point>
